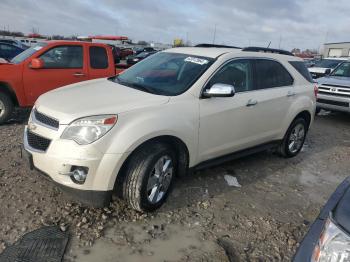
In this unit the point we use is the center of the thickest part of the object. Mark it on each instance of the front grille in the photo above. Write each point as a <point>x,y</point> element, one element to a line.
<point>46,120</point>
<point>332,102</point>
<point>38,142</point>
<point>333,94</point>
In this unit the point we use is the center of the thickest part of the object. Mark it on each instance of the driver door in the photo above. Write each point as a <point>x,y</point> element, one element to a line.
<point>63,65</point>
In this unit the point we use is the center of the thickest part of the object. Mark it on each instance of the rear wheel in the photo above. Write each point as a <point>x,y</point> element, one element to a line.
<point>294,139</point>
<point>6,108</point>
<point>149,177</point>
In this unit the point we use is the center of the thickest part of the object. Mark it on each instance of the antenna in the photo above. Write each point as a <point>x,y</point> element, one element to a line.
<point>269,44</point>
<point>214,34</point>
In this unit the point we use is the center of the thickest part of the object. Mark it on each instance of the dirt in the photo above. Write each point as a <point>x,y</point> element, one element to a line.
<point>264,220</point>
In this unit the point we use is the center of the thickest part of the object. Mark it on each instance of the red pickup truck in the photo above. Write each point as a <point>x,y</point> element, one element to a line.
<point>47,66</point>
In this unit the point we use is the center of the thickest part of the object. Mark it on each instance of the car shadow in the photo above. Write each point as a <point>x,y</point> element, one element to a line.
<point>19,116</point>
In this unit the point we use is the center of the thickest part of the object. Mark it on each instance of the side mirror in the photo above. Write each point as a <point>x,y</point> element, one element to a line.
<point>219,90</point>
<point>328,71</point>
<point>36,63</point>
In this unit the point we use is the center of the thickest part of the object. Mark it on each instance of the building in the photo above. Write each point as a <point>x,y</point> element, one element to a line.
<point>341,49</point>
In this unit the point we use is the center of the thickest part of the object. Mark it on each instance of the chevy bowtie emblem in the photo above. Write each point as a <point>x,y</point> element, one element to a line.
<point>334,89</point>
<point>31,126</point>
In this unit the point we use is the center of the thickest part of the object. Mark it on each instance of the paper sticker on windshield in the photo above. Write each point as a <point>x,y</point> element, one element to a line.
<point>37,48</point>
<point>196,60</point>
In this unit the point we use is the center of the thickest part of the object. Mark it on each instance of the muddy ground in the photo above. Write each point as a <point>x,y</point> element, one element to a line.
<point>263,220</point>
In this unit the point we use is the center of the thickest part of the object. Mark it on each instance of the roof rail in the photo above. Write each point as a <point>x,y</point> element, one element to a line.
<point>217,46</point>
<point>267,50</point>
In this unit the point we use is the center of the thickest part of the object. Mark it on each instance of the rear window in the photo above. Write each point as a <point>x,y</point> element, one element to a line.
<point>270,74</point>
<point>98,57</point>
<point>301,68</point>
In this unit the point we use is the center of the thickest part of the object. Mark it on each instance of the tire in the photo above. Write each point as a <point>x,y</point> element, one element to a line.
<point>140,188</point>
<point>6,108</point>
<point>286,148</point>
<point>318,110</point>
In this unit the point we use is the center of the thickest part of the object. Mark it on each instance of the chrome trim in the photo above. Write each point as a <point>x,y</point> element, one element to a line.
<point>36,121</point>
<point>26,144</point>
<point>247,58</point>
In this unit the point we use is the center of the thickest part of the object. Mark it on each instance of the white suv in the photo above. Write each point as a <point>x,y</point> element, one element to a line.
<point>176,111</point>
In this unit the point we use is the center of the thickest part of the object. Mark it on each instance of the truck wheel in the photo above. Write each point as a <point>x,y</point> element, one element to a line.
<point>6,108</point>
<point>149,176</point>
<point>294,139</point>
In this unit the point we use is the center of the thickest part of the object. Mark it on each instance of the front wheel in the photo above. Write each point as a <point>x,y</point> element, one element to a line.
<point>149,176</point>
<point>294,139</point>
<point>6,108</point>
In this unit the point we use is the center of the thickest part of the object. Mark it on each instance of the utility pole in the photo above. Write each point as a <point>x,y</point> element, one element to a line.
<point>214,34</point>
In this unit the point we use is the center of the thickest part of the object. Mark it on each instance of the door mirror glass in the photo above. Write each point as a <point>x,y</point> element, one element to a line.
<point>328,71</point>
<point>36,63</point>
<point>220,90</point>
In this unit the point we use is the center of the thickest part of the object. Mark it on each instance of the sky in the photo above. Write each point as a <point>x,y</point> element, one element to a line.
<point>286,23</point>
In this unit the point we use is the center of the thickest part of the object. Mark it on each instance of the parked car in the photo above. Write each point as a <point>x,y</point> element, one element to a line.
<point>125,52</point>
<point>116,54</point>
<point>328,238</point>
<point>325,66</point>
<point>131,60</point>
<point>8,51</point>
<point>47,66</point>
<point>14,42</point>
<point>143,49</point>
<point>179,110</point>
<point>334,89</point>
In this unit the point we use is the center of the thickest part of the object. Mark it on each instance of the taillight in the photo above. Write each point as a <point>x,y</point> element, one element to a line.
<point>316,90</point>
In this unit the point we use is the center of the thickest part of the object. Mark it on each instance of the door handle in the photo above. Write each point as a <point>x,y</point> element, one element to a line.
<point>291,93</point>
<point>252,102</point>
<point>77,74</point>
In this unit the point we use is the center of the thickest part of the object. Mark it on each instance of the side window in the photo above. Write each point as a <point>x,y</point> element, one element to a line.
<point>63,57</point>
<point>98,57</point>
<point>271,74</point>
<point>237,73</point>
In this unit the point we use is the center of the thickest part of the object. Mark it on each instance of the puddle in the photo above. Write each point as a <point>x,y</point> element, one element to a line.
<point>135,244</point>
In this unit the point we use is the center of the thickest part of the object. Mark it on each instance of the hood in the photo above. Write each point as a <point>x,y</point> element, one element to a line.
<point>334,80</point>
<point>94,97</point>
<point>320,70</point>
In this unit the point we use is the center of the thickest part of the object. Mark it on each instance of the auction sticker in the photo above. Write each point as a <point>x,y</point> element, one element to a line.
<point>196,60</point>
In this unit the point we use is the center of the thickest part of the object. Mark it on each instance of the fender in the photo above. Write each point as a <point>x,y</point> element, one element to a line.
<point>303,103</point>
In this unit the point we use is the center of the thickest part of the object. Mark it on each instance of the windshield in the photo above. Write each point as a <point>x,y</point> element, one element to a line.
<point>327,63</point>
<point>27,53</point>
<point>142,55</point>
<point>165,73</point>
<point>343,70</point>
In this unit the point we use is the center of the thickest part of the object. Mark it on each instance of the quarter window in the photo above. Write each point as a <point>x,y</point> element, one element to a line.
<point>63,57</point>
<point>270,74</point>
<point>237,73</point>
<point>98,57</point>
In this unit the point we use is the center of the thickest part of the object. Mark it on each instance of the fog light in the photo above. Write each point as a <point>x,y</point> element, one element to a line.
<point>79,174</point>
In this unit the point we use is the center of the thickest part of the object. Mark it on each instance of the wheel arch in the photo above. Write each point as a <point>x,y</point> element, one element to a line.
<point>178,145</point>
<point>306,115</point>
<point>5,88</point>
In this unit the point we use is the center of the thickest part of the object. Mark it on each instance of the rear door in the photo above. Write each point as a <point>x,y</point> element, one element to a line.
<point>63,65</point>
<point>101,62</point>
<point>273,94</point>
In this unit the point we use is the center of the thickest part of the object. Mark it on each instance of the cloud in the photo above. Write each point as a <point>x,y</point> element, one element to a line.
<point>287,23</point>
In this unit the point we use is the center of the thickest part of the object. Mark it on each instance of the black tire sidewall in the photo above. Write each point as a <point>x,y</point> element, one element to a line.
<point>8,107</point>
<point>144,202</point>
<point>286,150</point>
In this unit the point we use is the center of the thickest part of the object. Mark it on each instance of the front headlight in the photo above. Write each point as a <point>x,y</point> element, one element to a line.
<point>89,129</point>
<point>333,245</point>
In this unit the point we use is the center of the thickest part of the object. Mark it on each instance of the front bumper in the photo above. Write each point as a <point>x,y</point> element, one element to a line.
<point>61,155</point>
<point>307,246</point>
<point>332,102</point>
